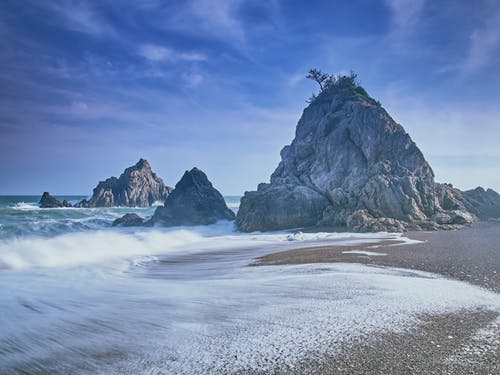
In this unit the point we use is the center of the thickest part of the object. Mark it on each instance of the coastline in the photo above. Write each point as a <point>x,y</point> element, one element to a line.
<point>464,342</point>
<point>470,254</point>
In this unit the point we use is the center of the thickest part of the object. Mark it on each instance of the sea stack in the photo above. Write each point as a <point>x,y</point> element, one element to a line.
<point>351,165</point>
<point>194,201</point>
<point>48,201</point>
<point>138,186</point>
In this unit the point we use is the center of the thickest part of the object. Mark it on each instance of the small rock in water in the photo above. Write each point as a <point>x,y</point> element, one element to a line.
<point>129,220</point>
<point>48,201</point>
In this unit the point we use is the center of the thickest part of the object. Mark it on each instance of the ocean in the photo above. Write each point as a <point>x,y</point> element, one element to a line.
<point>79,296</point>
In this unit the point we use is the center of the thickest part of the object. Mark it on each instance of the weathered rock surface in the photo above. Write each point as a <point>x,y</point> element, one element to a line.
<point>129,220</point>
<point>194,201</point>
<point>138,186</point>
<point>484,203</point>
<point>351,165</point>
<point>48,201</point>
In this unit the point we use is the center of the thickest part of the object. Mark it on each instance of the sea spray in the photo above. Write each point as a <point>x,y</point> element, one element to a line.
<point>90,247</point>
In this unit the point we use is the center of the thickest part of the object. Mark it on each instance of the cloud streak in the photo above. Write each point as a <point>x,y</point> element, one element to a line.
<point>484,47</point>
<point>156,53</point>
<point>195,81</point>
<point>80,17</point>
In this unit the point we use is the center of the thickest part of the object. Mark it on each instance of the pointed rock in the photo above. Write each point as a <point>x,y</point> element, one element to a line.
<point>138,186</point>
<point>194,201</point>
<point>350,165</point>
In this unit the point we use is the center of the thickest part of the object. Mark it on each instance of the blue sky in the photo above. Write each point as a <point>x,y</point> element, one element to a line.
<point>87,88</point>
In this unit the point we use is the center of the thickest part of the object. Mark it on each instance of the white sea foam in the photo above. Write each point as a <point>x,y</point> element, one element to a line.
<point>24,206</point>
<point>233,205</point>
<point>185,301</point>
<point>80,248</point>
<point>216,319</point>
<point>363,252</point>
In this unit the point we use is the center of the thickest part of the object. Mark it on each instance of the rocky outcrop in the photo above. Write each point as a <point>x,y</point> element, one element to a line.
<point>351,165</point>
<point>48,201</point>
<point>483,203</point>
<point>194,201</point>
<point>128,220</point>
<point>138,186</point>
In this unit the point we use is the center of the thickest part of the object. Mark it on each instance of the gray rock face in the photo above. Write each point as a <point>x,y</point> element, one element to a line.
<point>194,201</point>
<point>138,186</point>
<point>48,201</point>
<point>484,203</point>
<point>351,165</point>
<point>129,220</point>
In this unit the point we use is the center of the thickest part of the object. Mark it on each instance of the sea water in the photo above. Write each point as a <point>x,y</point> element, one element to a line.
<point>80,296</point>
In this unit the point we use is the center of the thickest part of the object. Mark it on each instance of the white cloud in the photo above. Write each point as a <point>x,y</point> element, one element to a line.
<point>193,79</point>
<point>79,107</point>
<point>405,13</point>
<point>218,17</point>
<point>484,43</point>
<point>295,78</point>
<point>458,140</point>
<point>81,17</point>
<point>482,49</point>
<point>211,19</point>
<point>155,52</point>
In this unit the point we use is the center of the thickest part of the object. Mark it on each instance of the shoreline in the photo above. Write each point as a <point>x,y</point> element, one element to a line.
<point>470,254</point>
<point>464,342</point>
<point>455,343</point>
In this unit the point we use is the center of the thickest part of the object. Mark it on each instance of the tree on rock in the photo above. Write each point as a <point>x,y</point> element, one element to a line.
<point>319,77</point>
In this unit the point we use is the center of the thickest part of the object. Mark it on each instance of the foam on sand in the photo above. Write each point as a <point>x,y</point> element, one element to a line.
<point>195,305</point>
<point>363,252</point>
<point>210,318</point>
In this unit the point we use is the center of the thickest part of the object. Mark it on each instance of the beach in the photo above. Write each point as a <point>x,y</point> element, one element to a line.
<point>81,296</point>
<point>467,342</point>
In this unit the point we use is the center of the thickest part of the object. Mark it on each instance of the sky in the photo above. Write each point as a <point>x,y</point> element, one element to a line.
<point>88,88</point>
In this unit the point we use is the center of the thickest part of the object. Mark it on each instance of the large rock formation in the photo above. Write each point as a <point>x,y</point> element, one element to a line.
<point>351,165</point>
<point>48,201</point>
<point>194,201</point>
<point>138,186</point>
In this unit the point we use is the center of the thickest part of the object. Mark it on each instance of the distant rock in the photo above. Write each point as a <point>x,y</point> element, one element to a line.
<point>138,186</point>
<point>129,220</point>
<point>484,203</point>
<point>194,201</point>
<point>351,165</point>
<point>48,201</point>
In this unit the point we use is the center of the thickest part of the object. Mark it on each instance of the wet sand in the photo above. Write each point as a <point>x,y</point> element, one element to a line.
<point>463,343</point>
<point>470,254</point>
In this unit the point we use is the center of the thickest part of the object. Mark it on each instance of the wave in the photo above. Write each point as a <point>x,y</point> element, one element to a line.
<point>83,248</point>
<point>25,206</point>
<point>104,245</point>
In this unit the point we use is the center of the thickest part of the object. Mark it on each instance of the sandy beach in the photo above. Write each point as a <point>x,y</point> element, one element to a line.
<point>463,343</point>
<point>470,254</point>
